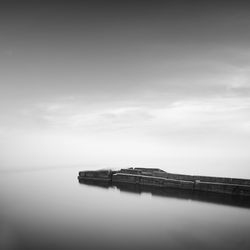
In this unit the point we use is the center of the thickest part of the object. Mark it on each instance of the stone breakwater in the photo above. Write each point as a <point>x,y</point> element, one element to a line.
<point>159,178</point>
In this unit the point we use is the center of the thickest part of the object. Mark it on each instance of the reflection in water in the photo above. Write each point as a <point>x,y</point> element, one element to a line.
<point>217,198</point>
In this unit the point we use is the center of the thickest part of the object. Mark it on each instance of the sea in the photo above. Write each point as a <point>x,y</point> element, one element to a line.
<point>49,209</point>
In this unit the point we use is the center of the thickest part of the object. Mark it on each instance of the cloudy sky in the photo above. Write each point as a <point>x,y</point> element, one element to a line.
<point>126,83</point>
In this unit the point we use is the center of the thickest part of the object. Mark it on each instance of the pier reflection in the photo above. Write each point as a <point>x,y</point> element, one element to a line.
<point>210,197</point>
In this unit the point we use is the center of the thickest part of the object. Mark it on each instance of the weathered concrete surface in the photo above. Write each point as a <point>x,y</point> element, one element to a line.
<point>160,178</point>
<point>105,175</point>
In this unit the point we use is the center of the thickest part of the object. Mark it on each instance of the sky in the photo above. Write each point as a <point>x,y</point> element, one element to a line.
<point>126,83</point>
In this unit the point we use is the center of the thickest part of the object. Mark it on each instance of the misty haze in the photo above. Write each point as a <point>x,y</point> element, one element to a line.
<point>116,84</point>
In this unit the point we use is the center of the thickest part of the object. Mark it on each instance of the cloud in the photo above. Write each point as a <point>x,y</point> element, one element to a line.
<point>207,116</point>
<point>2,131</point>
<point>240,82</point>
<point>75,115</point>
<point>193,115</point>
<point>66,131</point>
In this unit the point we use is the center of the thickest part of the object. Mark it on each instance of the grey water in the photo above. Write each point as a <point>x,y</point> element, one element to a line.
<point>50,209</point>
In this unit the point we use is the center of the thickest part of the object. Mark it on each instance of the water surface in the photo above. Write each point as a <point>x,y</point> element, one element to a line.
<point>49,209</point>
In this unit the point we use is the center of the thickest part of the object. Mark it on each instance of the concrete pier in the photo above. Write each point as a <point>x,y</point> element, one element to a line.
<point>159,178</point>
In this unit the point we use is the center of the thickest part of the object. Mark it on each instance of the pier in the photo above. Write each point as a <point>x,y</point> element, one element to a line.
<point>153,177</point>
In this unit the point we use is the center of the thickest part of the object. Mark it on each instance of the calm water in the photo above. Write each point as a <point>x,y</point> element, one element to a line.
<point>49,209</point>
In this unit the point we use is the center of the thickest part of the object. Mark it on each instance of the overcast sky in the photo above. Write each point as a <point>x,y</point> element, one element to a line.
<point>126,83</point>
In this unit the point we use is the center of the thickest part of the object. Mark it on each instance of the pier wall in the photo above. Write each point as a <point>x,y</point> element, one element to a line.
<point>160,173</point>
<point>102,175</point>
<point>160,178</point>
<point>223,188</point>
<point>152,181</point>
<point>184,182</point>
